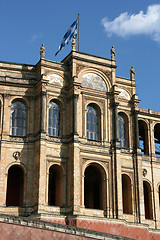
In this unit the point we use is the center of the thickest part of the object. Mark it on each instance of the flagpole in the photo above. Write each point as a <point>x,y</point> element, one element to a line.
<point>78,32</point>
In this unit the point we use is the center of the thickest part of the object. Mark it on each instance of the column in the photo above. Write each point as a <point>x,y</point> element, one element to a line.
<point>41,146</point>
<point>115,123</point>
<point>115,145</point>
<point>75,100</point>
<point>43,111</point>
<point>153,170</point>
<point>138,188</point>
<point>136,130</point>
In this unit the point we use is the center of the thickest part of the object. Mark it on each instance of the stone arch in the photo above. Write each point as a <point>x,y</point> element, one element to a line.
<point>95,71</point>
<point>89,162</point>
<point>97,104</point>
<point>22,99</point>
<point>147,200</point>
<point>16,163</point>
<point>94,186</point>
<point>55,185</point>
<point>15,186</point>
<point>143,136</point>
<point>57,100</point>
<point>127,194</point>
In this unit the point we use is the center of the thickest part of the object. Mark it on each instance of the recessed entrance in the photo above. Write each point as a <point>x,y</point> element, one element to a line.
<point>93,189</point>
<point>15,186</point>
<point>55,186</point>
<point>147,200</point>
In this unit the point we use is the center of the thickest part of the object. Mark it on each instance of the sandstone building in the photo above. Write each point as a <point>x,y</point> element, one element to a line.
<point>75,147</point>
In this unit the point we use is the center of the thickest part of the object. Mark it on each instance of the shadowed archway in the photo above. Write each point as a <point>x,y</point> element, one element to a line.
<point>94,187</point>
<point>147,200</point>
<point>15,186</point>
<point>126,194</point>
<point>55,196</point>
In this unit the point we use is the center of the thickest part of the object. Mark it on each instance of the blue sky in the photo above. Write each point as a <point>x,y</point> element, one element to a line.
<point>25,25</point>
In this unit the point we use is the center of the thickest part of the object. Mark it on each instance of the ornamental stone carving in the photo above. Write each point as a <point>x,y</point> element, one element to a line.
<point>16,155</point>
<point>79,67</point>
<point>144,172</point>
<point>109,75</point>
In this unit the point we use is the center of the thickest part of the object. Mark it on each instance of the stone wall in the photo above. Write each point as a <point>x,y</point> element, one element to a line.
<point>18,228</point>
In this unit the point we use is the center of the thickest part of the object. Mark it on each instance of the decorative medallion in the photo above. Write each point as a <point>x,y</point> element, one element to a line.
<point>55,79</point>
<point>123,94</point>
<point>79,67</point>
<point>16,155</point>
<point>144,172</point>
<point>94,81</point>
<point>108,74</point>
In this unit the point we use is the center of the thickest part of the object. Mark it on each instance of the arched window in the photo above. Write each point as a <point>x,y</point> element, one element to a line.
<point>93,187</point>
<point>126,194</point>
<point>0,115</point>
<point>15,186</point>
<point>18,119</point>
<point>55,195</point>
<point>92,123</point>
<point>143,137</point>
<point>147,200</point>
<point>159,195</point>
<point>54,119</point>
<point>122,131</point>
<point>157,139</point>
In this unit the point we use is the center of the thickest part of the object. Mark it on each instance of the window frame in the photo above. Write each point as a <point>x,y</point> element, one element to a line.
<point>93,122</point>
<point>122,139</point>
<point>143,137</point>
<point>53,130</point>
<point>18,124</point>
<point>157,139</point>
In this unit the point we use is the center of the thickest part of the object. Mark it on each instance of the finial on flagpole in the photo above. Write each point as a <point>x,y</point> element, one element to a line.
<point>73,44</point>
<point>42,52</point>
<point>112,53</point>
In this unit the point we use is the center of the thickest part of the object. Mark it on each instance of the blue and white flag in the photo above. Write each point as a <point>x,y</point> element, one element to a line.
<point>72,31</point>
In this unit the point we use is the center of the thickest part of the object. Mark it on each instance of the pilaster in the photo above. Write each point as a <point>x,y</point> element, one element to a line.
<point>115,149</point>
<point>42,149</point>
<point>5,128</point>
<point>137,161</point>
<point>76,156</point>
<point>153,170</point>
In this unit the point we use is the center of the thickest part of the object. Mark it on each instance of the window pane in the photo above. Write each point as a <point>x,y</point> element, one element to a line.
<point>92,122</point>
<point>122,128</point>
<point>49,131</point>
<point>18,119</point>
<point>54,119</point>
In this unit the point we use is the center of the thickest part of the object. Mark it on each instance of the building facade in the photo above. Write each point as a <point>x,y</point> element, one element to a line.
<point>75,146</point>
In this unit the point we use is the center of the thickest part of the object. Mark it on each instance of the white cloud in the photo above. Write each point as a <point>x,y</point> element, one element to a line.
<point>141,23</point>
<point>35,37</point>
